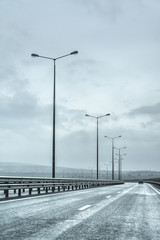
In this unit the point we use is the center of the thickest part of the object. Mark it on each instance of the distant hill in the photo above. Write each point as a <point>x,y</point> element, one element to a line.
<point>31,170</point>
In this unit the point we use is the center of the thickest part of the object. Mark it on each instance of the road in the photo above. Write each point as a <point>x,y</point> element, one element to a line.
<point>129,211</point>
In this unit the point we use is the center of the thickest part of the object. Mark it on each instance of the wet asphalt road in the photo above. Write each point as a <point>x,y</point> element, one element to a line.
<point>129,211</point>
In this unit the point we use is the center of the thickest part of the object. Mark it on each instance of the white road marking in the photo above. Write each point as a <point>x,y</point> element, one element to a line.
<point>154,189</point>
<point>84,207</point>
<point>108,196</point>
<point>65,225</point>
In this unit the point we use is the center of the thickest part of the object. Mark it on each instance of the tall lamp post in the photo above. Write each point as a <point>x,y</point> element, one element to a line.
<point>54,100</point>
<point>119,162</point>
<point>107,168</point>
<point>121,166</point>
<point>112,138</point>
<point>116,161</point>
<point>87,115</point>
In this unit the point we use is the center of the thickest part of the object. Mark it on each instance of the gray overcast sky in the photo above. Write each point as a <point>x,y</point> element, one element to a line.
<point>116,71</point>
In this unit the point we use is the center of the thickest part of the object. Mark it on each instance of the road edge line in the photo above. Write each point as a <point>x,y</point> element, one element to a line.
<point>154,189</point>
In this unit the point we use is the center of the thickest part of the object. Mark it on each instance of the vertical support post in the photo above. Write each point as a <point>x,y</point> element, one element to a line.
<point>119,163</point>
<point>97,147</point>
<point>54,111</point>
<point>19,192</point>
<point>6,192</point>
<point>121,168</point>
<point>30,191</point>
<point>112,158</point>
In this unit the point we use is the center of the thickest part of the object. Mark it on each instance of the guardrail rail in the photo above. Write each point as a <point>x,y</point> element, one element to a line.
<point>11,187</point>
<point>156,184</point>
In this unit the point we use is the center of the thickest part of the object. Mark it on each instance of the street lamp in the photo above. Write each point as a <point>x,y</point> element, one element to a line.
<point>106,168</point>
<point>54,100</point>
<point>112,138</point>
<point>119,163</point>
<point>87,115</point>
<point>116,171</point>
<point>121,166</point>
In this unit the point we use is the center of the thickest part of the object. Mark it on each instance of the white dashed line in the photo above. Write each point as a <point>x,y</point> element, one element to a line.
<point>108,196</point>
<point>83,208</point>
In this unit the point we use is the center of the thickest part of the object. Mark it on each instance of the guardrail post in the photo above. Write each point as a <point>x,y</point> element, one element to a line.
<point>19,192</point>
<point>30,191</point>
<point>6,192</point>
<point>38,190</point>
<point>18,187</point>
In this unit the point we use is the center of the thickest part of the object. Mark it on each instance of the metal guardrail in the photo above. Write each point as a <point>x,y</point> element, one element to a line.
<point>156,184</point>
<point>26,186</point>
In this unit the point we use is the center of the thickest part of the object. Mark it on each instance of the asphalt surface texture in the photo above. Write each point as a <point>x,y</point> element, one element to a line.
<point>128,211</point>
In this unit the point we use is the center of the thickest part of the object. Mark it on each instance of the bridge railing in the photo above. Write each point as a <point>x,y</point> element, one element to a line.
<point>156,184</point>
<point>11,187</point>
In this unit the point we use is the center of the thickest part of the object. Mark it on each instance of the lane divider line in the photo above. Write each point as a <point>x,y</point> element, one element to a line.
<point>84,207</point>
<point>154,189</point>
<point>108,196</point>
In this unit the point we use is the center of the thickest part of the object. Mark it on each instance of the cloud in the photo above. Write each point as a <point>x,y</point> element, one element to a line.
<point>145,118</point>
<point>115,70</point>
<point>69,120</point>
<point>152,111</point>
<point>102,8</point>
<point>21,109</point>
